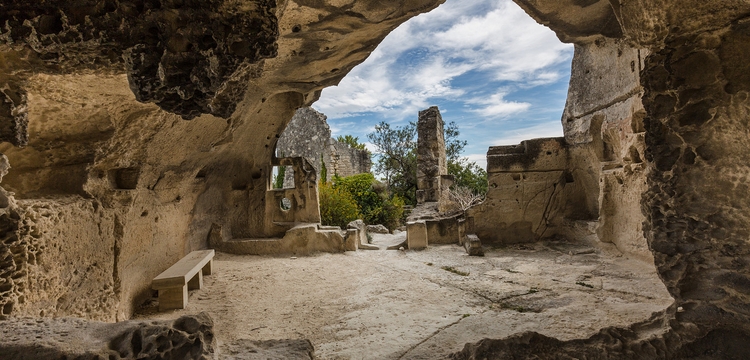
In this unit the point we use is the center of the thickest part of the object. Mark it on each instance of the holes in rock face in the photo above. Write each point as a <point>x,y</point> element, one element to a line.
<point>49,24</point>
<point>8,308</point>
<point>516,177</point>
<point>239,185</point>
<point>285,204</point>
<point>297,28</point>
<point>635,156</point>
<point>201,174</point>
<point>124,178</point>
<point>256,174</point>
<point>549,152</point>
<point>144,213</point>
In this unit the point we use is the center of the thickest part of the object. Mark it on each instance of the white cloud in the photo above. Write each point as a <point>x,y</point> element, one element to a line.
<point>417,64</point>
<point>496,106</point>
<point>480,159</point>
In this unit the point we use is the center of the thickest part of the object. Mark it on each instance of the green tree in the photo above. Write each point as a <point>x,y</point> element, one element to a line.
<point>397,159</point>
<point>375,204</point>
<point>352,141</point>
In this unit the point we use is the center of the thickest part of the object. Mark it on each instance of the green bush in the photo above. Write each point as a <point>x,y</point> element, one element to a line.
<point>372,199</point>
<point>337,206</point>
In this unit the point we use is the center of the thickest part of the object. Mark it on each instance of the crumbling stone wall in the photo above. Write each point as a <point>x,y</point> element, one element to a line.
<point>525,196</point>
<point>431,162</point>
<point>308,135</point>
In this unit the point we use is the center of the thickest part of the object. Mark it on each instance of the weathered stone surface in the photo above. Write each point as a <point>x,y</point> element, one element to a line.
<point>697,206</point>
<point>302,239</point>
<point>14,120</point>
<point>189,337</point>
<point>575,20</point>
<point>525,197</point>
<point>416,235</point>
<point>473,245</point>
<point>268,350</point>
<point>378,229</point>
<point>431,162</point>
<point>188,57</point>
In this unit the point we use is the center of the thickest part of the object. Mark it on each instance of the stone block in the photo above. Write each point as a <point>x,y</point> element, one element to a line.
<point>473,245</point>
<point>173,298</point>
<point>351,241</point>
<point>416,235</point>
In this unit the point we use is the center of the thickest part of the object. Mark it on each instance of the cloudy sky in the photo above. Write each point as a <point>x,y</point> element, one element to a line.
<point>486,64</point>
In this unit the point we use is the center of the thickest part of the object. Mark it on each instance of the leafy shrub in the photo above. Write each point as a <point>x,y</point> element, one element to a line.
<point>372,199</point>
<point>337,206</point>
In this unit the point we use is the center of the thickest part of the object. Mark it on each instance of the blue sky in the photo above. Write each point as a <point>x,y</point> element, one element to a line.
<point>486,64</point>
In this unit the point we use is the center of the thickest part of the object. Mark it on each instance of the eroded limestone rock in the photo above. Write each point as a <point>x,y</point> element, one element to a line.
<point>188,57</point>
<point>189,337</point>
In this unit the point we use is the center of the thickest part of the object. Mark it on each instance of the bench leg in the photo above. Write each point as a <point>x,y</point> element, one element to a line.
<point>208,268</point>
<point>174,298</point>
<point>196,283</point>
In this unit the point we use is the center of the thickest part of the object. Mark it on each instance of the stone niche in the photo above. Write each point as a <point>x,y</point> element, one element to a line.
<point>299,204</point>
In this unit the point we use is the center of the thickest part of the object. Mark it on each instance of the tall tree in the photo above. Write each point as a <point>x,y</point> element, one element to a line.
<point>397,158</point>
<point>396,149</point>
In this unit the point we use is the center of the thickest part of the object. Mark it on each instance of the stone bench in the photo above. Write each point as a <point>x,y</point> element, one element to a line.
<point>187,274</point>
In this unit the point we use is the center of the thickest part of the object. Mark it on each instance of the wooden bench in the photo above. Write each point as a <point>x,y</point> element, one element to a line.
<point>187,274</point>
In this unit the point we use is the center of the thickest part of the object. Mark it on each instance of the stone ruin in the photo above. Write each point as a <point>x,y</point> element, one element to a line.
<point>433,220</point>
<point>109,183</point>
<point>308,135</point>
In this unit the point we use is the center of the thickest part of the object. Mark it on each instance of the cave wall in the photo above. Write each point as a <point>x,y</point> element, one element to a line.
<point>603,127</point>
<point>113,184</point>
<point>697,204</point>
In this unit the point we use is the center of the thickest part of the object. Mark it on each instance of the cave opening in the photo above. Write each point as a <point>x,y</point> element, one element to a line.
<point>648,184</point>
